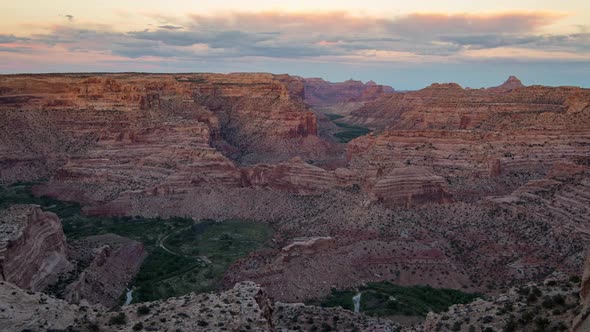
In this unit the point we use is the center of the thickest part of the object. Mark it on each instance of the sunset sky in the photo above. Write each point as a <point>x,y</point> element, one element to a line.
<point>407,44</point>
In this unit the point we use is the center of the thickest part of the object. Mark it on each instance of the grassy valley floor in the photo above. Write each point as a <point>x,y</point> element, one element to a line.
<point>384,299</point>
<point>183,255</point>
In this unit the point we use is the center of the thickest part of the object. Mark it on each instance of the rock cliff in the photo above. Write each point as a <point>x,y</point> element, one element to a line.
<point>450,107</point>
<point>32,247</point>
<point>116,261</point>
<point>319,92</point>
<point>97,136</point>
<point>511,83</point>
<point>244,307</point>
<point>582,321</point>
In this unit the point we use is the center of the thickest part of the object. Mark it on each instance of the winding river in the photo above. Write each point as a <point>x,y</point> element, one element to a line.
<point>357,302</point>
<point>129,297</point>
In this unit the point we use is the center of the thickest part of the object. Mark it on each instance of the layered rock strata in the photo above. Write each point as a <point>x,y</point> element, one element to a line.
<point>32,247</point>
<point>319,92</point>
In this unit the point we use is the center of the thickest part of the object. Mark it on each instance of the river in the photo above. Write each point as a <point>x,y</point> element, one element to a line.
<point>357,302</point>
<point>129,297</point>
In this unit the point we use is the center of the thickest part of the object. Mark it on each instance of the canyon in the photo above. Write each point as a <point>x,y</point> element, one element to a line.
<point>481,190</point>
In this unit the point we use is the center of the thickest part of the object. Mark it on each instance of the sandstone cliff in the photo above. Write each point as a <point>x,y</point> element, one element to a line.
<point>97,136</point>
<point>450,107</point>
<point>260,115</point>
<point>295,176</point>
<point>115,263</point>
<point>319,92</point>
<point>32,247</point>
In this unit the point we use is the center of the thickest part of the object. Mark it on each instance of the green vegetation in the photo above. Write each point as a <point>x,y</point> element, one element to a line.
<point>183,256</point>
<point>143,310</point>
<point>385,299</point>
<point>118,319</point>
<point>193,258</point>
<point>348,132</point>
<point>21,194</point>
<point>333,117</point>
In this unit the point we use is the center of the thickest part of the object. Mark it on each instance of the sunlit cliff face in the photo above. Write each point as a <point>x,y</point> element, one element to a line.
<point>383,40</point>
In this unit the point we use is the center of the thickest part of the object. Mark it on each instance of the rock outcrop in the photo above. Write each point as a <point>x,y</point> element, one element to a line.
<point>450,107</point>
<point>515,310</point>
<point>116,261</point>
<point>98,136</point>
<point>411,186</point>
<point>56,117</point>
<point>582,321</point>
<point>511,83</point>
<point>245,307</point>
<point>323,93</point>
<point>32,247</point>
<point>473,136</point>
<point>22,310</point>
<point>293,176</point>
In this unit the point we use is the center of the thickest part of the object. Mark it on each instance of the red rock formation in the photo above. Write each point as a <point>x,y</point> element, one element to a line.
<point>295,176</point>
<point>473,134</point>
<point>411,186</point>
<point>306,246</point>
<point>511,83</point>
<point>98,136</point>
<point>565,192</point>
<point>449,107</point>
<point>103,136</point>
<point>32,247</point>
<point>321,93</point>
<point>115,264</point>
<point>254,111</point>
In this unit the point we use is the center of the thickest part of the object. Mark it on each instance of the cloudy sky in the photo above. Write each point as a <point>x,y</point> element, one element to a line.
<point>407,44</point>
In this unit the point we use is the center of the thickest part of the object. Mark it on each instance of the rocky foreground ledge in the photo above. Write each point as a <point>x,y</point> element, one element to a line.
<point>245,307</point>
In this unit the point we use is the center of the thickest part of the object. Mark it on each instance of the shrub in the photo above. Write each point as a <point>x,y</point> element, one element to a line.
<point>541,323</point>
<point>118,319</point>
<point>548,302</point>
<point>531,298</point>
<point>559,299</point>
<point>143,310</point>
<point>511,325</point>
<point>575,279</point>
<point>93,327</point>
<point>138,326</point>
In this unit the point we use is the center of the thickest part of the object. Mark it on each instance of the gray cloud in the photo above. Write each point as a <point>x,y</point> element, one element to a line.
<point>170,27</point>
<point>579,42</point>
<point>4,39</point>
<point>280,35</point>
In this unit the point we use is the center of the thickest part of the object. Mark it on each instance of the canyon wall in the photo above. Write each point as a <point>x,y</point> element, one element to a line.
<point>323,93</point>
<point>483,142</point>
<point>115,262</point>
<point>96,136</point>
<point>32,247</point>
<point>97,139</point>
